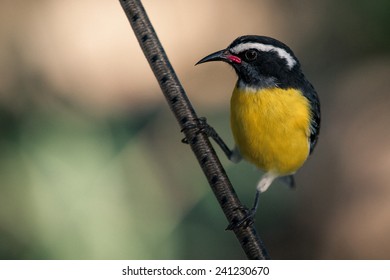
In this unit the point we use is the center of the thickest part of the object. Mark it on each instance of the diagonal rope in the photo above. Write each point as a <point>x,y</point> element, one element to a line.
<point>188,120</point>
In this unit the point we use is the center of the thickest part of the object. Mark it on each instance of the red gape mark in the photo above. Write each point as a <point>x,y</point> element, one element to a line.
<point>234,59</point>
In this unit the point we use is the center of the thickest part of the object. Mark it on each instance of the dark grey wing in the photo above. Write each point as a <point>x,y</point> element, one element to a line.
<point>315,122</point>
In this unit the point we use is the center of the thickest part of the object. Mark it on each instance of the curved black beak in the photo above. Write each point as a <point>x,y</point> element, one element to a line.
<point>222,55</point>
<point>217,56</point>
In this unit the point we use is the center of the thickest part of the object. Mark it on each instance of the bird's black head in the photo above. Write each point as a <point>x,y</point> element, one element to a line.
<point>260,62</point>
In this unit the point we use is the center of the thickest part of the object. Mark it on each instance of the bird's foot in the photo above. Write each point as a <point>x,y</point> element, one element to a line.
<point>202,126</point>
<point>246,221</point>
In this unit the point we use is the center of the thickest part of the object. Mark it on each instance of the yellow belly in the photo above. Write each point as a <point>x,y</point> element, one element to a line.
<point>271,128</point>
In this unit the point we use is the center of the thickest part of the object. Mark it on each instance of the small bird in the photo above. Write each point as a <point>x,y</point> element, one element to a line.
<point>274,109</point>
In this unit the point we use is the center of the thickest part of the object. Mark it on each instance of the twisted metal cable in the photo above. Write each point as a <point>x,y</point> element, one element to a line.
<point>186,117</point>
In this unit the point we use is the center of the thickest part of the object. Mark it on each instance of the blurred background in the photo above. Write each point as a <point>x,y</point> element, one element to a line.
<point>91,163</point>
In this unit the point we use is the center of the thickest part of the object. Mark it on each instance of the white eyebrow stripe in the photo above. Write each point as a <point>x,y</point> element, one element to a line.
<point>265,48</point>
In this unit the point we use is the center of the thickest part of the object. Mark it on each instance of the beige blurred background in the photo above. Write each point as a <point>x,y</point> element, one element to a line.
<point>91,163</point>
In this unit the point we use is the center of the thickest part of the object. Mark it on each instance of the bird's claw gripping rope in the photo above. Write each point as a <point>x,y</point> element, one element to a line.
<point>248,220</point>
<point>203,126</point>
<point>249,215</point>
<point>199,123</point>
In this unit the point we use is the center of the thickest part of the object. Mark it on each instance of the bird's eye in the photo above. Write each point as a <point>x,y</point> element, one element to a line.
<point>250,55</point>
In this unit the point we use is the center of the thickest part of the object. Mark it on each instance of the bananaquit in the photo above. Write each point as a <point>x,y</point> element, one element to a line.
<point>275,111</point>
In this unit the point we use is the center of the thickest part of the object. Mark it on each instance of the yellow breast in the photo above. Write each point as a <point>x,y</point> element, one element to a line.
<point>271,128</point>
